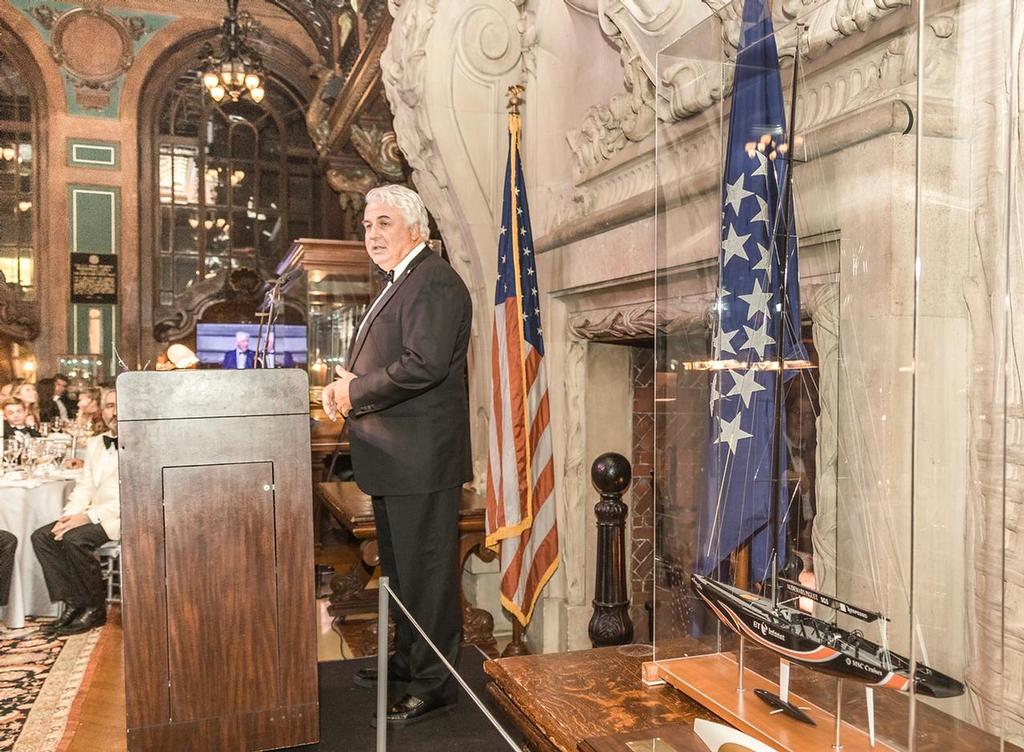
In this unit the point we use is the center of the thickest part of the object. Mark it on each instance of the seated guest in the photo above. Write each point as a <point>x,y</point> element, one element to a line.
<point>88,413</point>
<point>48,410</point>
<point>8,545</point>
<point>27,393</point>
<point>7,390</point>
<point>62,397</point>
<point>275,359</point>
<point>241,356</point>
<point>14,419</point>
<point>66,549</point>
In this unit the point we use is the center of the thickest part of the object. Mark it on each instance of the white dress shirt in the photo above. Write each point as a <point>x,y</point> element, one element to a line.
<point>399,270</point>
<point>96,492</point>
<point>241,358</point>
<point>61,408</point>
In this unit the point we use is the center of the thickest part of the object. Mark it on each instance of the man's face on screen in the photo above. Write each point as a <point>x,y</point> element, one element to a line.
<point>388,237</point>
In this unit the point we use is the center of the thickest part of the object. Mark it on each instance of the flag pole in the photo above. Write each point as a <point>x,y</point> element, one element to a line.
<point>516,646</point>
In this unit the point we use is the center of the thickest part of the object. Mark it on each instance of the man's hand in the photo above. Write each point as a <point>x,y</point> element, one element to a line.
<point>336,396</point>
<point>69,522</point>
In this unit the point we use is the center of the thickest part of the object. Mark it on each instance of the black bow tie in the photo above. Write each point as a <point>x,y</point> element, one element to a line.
<point>386,277</point>
<point>109,441</point>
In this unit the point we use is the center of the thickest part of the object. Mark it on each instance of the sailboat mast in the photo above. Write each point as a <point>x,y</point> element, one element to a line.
<point>782,249</point>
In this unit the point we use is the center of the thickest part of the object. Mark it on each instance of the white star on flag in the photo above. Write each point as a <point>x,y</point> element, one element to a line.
<point>757,300</point>
<point>765,264</point>
<point>762,167</point>
<point>733,246</point>
<point>762,211</point>
<point>735,193</point>
<point>745,385</point>
<point>758,339</point>
<point>729,432</point>
<point>723,342</point>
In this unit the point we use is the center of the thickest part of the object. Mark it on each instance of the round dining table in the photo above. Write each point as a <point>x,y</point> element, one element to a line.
<point>25,505</point>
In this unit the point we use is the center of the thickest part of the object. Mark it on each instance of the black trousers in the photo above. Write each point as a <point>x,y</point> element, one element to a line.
<point>70,567</point>
<point>8,545</point>
<point>418,540</point>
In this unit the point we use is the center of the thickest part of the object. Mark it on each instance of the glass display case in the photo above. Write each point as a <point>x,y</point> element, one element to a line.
<point>839,543</point>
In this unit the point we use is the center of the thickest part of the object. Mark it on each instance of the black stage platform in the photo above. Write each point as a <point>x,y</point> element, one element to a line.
<point>345,712</point>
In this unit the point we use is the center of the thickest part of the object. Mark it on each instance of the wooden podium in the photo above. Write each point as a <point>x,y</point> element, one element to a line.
<point>217,546</point>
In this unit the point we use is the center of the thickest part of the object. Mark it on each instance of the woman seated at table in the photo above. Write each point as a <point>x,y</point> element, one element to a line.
<point>27,394</point>
<point>15,414</point>
<point>88,415</point>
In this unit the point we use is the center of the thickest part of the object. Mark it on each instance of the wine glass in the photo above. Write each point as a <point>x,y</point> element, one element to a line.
<point>34,449</point>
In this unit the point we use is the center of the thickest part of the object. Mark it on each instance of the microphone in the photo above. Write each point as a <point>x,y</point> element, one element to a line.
<point>288,277</point>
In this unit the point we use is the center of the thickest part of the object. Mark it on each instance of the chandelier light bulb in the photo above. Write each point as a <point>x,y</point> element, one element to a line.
<point>24,205</point>
<point>210,79</point>
<point>208,224</point>
<point>8,153</point>
<point>217,92</point>
<point>194,221</point>
<point>257,94</point>
<point>252,81</point>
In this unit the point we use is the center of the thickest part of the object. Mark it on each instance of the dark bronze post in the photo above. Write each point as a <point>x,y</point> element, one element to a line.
<point>610,624</point>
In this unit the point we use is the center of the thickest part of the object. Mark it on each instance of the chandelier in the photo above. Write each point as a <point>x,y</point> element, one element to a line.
<point>236,69</point>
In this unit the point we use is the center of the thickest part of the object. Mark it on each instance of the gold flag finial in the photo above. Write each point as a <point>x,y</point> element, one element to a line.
<point>515,98</point>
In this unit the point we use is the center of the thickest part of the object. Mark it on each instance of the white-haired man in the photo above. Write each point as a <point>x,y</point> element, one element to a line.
<point>241,356</point>
<point>406,401</point>
<point>92,516</point>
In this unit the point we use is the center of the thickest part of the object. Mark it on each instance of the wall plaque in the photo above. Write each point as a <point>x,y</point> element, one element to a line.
<point>93,278</point>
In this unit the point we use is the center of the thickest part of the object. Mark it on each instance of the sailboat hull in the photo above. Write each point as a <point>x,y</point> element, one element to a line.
<point>804,639</point>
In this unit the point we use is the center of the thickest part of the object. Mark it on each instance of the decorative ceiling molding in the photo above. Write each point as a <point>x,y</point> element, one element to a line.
<point>314,16</point>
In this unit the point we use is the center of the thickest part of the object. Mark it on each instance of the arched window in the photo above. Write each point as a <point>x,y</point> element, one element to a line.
<point>236,183</point>
<point>17,176</point>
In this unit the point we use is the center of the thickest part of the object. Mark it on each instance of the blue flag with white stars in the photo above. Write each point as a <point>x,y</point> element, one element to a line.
<point>742,457</point>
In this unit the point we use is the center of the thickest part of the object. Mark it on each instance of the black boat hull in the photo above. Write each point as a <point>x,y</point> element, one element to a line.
<point>841,653</point>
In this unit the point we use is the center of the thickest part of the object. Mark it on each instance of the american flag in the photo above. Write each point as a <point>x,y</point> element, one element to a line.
<point>520,472</point>
<point>742,433</point>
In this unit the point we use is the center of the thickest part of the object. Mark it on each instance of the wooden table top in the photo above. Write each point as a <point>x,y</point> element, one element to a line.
<point>571,697</point>
<point>354,509</point>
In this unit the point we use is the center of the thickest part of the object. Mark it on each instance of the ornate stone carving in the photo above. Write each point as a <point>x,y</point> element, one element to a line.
<point>822,304</point>
<point>627,117</point>
<point>641,321</point>
<point>379,147</point>
<point>220,287</point>
<point>93,46</point>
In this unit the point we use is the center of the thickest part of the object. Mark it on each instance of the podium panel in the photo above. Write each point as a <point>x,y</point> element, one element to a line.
<point>217,546</point>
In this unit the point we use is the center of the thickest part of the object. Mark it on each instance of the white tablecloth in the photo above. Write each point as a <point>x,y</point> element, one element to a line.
<point>25,506</point>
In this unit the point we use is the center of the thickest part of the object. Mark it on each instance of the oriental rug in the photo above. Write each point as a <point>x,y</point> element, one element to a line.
<point>39,678</point>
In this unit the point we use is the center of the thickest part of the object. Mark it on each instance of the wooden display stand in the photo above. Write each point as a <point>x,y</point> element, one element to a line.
<point>217,541</point>
<point>712,681</point>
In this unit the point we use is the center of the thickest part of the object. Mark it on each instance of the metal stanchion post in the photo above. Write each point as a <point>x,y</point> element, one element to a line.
<point>741,666</point>
<point>382,665</point>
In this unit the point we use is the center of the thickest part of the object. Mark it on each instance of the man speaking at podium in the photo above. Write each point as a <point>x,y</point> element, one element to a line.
<point>406,401</point>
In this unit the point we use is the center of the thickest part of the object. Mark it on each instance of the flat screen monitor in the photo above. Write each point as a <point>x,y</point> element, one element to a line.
<point>216,343</point>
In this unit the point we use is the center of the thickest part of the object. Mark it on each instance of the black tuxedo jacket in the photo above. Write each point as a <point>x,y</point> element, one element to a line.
<point>409,424</point>
<point>10,430</point>
<point>230,361</point>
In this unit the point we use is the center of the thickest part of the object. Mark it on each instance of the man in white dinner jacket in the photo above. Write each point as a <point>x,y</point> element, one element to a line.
<point>66,549</point>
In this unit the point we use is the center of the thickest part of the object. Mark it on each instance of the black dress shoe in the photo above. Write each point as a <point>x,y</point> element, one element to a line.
<point>367,678</point>
<point>69,615</point>
<point>411,709</point>
<point>90,618</point>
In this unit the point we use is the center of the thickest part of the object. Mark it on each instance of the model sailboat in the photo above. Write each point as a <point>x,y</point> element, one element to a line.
<point>757,343</point>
